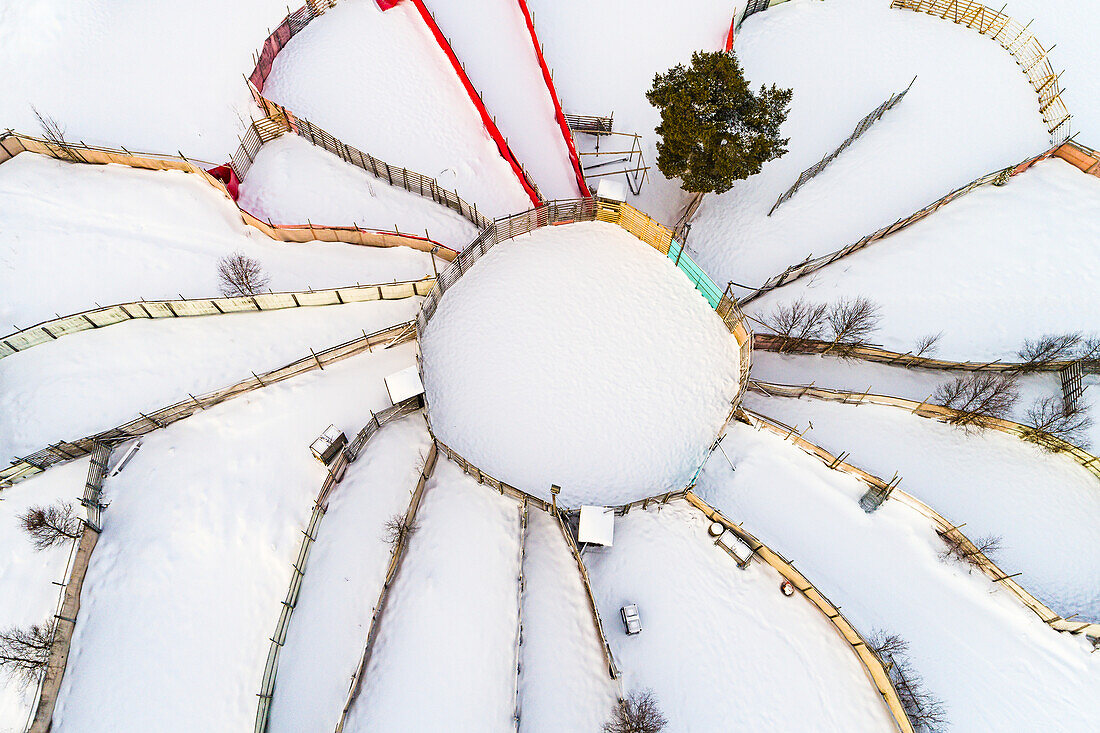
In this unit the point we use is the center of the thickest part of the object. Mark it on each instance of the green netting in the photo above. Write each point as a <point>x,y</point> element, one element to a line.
<point>702,283</point>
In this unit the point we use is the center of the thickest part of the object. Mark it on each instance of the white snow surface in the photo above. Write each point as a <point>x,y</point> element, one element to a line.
<point>969,112</point>
<point>996,267</point>
<point>577,355</point>
<point>346,570</point>
<point>967,637</point>
<point>96,379</point>
<point>1044,506</point>
<point>378,81</point>
<point>719,643</point>
<point>483,33</point>
<point>294,182</point>
<point>184,588</point>
<point>158,76</point>
<point>445,658</point>
<point>77,235</point>
<point>27,591</point>
<point>564,683</point>
<point>604,56</point>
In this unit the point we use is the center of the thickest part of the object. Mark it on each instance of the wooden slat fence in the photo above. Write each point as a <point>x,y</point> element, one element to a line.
<point>862,127</point>
<point>811,265</point>
<point>943,527</point>
<point>1025,48</point>
<point>396,557</point>
<point>109,315</point>
<point>65,450</point>
<point>333,476</point>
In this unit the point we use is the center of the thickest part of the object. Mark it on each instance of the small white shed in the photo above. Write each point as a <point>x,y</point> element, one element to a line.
<point>597,526</point>
<point>404,384</point>
<point>611,190</point>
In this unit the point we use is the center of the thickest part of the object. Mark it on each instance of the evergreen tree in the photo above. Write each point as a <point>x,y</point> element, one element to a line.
<point>714,130</point>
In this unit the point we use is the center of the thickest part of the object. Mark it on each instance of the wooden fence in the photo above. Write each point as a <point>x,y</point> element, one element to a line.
<point>333,477</point>
<point>864,125</point>
<point>396,557</point>
<point>1025,48</point>
<point>65,450</point>
<point>109,315</point>
<point>809,266</point>
<point>12,144</point>
<point>943,527</point>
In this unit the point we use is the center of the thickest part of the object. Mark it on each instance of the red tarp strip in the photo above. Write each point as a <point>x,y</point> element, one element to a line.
<point>729,36</point>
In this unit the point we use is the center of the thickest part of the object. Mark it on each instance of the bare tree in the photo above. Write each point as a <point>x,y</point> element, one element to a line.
<point>1050,347</point>
<point>886,644</point>
<point>24,653</point>
<point>1052,416</point>
<point>54,134</point>
<point>925,711</point>
<point>797,322</point>
<point>927,345</point>
<point>240,275</point>
<point>852,322</point>
<point>958,548</point>
<point>398,529</point>
<point>51,525</point>
<point>978,398</point>
<point>638,713</point>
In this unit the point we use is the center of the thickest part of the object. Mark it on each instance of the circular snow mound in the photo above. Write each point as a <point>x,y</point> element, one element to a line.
<point>580,356</point>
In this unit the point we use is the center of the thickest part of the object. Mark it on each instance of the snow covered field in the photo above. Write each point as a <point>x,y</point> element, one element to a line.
<point>564,684</point>
<point>157,76</point>
<point>604,56</point>
<point>293,182</point>
<point>994,268</point>
<point>346,569</point>
<point>969,112</point>
<point>577,355</point>
<point>445,657</point>
<point>1045,506</point>
<point>967,639</point>
<point>77,235</point>
<point>185,584</point>
<point>482,34</point>
<point>378,81</point>
<point>27,591</point>
<point>94,380</point>
<point>719,644</point>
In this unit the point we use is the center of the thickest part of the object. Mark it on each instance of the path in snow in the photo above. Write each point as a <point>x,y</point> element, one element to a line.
<point>184,588</point>
<point>1045,506</point>
<point>604,56</point>
<point>970,112</point>
<point>160,76</point>
<point>996,267</point>
<point>28,594</point>
<point>719,643</point>
<point>966,638</point>
<point>346,569</point>
<point>77,235</point>
<point>564,683</point>
<point>577,355</point>
<point>491,39</point>
<point>293,181</point>
<point>93,380</point>
<point>444,657</point>
<point>378,81</point>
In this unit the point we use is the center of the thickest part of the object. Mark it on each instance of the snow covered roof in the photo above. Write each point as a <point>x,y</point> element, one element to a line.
<point>404,384</point>
<point>597,525</point>
<point>613,190</point>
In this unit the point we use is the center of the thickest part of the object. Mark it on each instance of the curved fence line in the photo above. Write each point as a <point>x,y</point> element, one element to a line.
<point>333,477</point>
<point>870,661</point>
<point>109,315</point>
<point>808,266</point>
<point>296,21</point>
<point>1025,48</point>
<point>909,360</point>
<point>64,450</point>
<point>396,556</point>
<point>944,528</point>
<point>13,143</point>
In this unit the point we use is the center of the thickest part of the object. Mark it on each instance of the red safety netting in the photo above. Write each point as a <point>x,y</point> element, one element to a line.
<point>558,113</point>
<point>228,176</point>
<point>475,98</point>
<point>729,36</point>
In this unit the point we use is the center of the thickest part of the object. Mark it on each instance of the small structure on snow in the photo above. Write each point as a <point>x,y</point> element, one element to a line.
<point>404,384</point>
<point>731,543</point>
<point>328,444</point>
<point>596,526</point>
<point>632,620</point>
